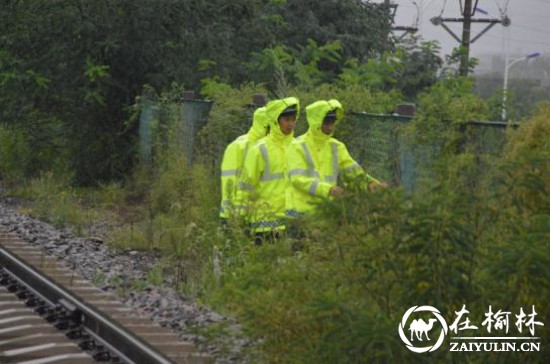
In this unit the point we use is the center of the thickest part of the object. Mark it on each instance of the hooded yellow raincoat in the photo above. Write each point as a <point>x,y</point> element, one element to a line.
<point>264,179</point>
<point>315,160</point>
<point>233,160</point>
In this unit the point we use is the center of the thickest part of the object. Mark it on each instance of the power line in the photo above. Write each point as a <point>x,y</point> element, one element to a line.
<point>518,40</point>
<point>443,8</point>
<point>467,9</point>
<point>430,3</point>
<point>531,28</point>
<point>544,17</point>
<point>502,11</point>
<point>506,7</point>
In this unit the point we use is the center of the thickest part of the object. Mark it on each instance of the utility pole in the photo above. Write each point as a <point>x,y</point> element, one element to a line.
<point>391,8</point>
<point>467,12</point>
<point>387,7</point>
<point>466,26</point>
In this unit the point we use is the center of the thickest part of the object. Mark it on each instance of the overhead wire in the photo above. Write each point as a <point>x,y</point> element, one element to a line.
<point>518,40</point>
<point>501,11</point>
<point>506,6</point>
<point>532,28</point>
<point>443,8</point>
<point>474,8</point>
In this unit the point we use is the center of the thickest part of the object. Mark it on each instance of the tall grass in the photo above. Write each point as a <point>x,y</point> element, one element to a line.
<point>54,200</point>
<point>471,236</point>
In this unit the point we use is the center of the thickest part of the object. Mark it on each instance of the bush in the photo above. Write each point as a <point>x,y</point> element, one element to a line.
<point>14,154</point>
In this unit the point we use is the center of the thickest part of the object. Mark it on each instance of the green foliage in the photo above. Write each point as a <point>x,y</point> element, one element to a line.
<point>340,297</point>
<point>130,235</point>
<point>265,63</point>
<point>54,200</point>
<point>453,61</point>
<point>420,64</point>
<point>521,210</point>
<point>99,278</point>
<point>361,27</point>
<point>372,256</point>
<point>28,150</point>
<point>526,163</point>
<point>307,63</point>
<point>443,113</point>
<point>55,85</point>
<point>338,294</point>
<point>112,196</point>
<point>69,74</point>
<point>451,100</point>
<point>301,66</point>
<point>376,74</point>
<point>522,98</point>
<point>179,199</point>
<point>155,275</point>
<point>230,116</point>
<point>411,69</point>
<point>14,155</point>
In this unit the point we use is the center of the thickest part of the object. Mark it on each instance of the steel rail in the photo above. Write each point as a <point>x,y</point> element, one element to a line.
<point>126,345</point>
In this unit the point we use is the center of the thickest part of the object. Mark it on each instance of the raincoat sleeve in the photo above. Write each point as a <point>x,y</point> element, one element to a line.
<point>301,176</point>
<point>249,178</point>
<point>349,167</point>
<point>231,162</point>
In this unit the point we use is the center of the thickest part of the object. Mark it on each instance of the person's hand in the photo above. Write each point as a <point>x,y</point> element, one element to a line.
<point>336,191</point>
<point>374,186</point>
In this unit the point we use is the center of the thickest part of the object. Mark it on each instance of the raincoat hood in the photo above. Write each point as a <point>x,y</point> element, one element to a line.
<point>316,113</point>
<point>259,125</point>
<point>274,109</point>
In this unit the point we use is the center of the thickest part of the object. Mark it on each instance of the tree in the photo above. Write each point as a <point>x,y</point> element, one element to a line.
<point>361,27</point>
<point>71,69</point>
<point>420,66</point>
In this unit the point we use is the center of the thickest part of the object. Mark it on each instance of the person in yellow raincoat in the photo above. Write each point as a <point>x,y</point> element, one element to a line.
<point>264,179</point>
<point>316,160</point>
<point>233,160</point>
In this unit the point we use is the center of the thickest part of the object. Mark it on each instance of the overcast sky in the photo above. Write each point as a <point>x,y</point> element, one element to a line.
<point>529,30</point>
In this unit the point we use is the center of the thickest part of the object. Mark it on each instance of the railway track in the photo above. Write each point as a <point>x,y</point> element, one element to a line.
<point>49,314</point>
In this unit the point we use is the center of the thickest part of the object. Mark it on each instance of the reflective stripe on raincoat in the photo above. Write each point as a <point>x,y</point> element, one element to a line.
<point>263,181</point>
<point>233,160</point>
<point>315,160</point>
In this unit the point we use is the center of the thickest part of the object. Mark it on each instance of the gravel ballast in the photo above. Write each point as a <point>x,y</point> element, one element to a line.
<point>115,270</point>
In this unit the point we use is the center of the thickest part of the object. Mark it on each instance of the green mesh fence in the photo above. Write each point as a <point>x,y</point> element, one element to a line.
<point>194,115</point>
<point>488,137</point>
<point>148,112</point>
<point>155,119</point>
<point>416,165</point>
<point>374,142</point>
<point>379,143</point>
